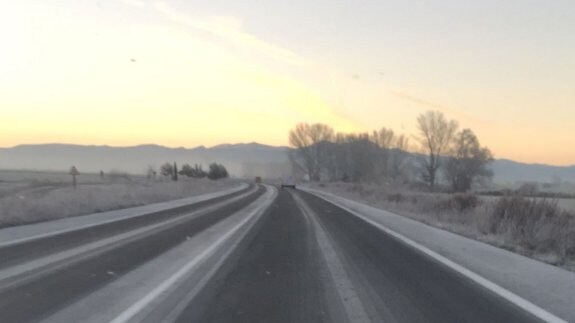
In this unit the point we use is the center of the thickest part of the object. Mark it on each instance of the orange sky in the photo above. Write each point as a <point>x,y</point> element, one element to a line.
<point>135,72</point>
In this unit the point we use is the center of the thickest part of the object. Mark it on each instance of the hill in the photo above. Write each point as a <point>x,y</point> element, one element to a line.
<point>240,159</point>
<point>244,159</point>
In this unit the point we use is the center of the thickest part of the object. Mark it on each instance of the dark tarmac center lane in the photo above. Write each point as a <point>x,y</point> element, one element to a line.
<point>276,275</point>
<point>279,275</point>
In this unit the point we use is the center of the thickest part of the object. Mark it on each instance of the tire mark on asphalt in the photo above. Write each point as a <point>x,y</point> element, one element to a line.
<point>347,292</point>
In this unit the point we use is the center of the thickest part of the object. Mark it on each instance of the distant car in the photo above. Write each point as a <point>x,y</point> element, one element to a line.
<point>258,180</point>
<point>289,183</point>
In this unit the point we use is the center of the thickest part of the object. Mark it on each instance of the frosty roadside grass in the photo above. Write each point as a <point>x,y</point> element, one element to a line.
<point>55,201</point>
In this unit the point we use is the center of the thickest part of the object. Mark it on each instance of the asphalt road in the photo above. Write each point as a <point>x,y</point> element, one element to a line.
<point>283,275</point>
<point>37,298</point>
<point>305,260</point>
<point>41,247</point>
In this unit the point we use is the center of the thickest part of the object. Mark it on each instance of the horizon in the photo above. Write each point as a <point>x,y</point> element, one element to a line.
<point>185,74</point>
<point>239,144</point>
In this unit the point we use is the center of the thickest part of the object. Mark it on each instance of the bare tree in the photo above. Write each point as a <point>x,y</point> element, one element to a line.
<point>467,162</point>
<point>399,157</point>
<point>363,156</point>
<point>385,140</point>
<point>436,133</point>
<point>310,143</point>
<point>352,157</point>
<point>337,161</point>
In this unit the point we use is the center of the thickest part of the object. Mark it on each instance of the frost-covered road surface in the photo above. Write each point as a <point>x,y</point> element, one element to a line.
<point>268,256</point>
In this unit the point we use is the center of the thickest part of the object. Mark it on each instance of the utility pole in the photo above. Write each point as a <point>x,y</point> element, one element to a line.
<point>74,172</point>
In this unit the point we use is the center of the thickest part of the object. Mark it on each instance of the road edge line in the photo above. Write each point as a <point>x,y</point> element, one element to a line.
<point>513,298</point>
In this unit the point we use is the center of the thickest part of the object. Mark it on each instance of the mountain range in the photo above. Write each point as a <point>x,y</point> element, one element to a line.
<point>249,159</point>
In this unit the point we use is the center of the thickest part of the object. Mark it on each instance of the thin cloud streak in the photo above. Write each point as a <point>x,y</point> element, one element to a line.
<point>424,102</point>
<point>445,109</point>
<point>230,29</point>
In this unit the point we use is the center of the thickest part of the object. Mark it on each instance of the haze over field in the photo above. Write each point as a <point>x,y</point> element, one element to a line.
<point>189,73</point>
<point>241,159</point>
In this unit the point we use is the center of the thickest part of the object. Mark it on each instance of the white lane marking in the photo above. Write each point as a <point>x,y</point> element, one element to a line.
<point>15,274</point>
<point>352,303</point>
<point>200,198</point>
<point>267,201</point>
<point>145,301</point>
<point>502,292</point>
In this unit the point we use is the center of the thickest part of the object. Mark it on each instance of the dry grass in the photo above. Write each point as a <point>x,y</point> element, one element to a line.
<point>57,201</point>
<point>535,227</point>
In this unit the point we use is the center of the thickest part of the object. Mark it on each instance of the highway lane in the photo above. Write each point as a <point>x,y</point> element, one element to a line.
<point>310,261</point>
<point>399,284</point>
<point>278,275</point>
<point>303,260</point>
<point>21,252</point>
<point>36,298</point>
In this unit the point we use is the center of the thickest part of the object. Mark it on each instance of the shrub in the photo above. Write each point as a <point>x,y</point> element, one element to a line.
<point>395,197</point>
<point>456,202</point>
<point>465,202</point>
<point>217,171</point>
<point>167,170</point>
<point>195,172</point>
<point>538,225</point>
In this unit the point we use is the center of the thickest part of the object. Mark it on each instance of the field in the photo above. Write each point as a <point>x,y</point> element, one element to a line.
<point>567,204</point>
<point>564,203</point>
<point>27,197</point>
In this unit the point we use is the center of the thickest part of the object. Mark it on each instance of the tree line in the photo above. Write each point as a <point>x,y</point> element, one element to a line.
<point>215,171</point>
<point>385,156</point>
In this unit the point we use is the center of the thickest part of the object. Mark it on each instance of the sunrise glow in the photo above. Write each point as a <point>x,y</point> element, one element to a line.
<point>135,72</point>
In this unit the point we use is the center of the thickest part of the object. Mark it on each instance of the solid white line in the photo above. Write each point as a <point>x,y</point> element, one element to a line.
<point>172,317</point>
<point>85,226</point>
<point>502,292</point>
<point>351,302</point>
<point>133,310</point>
